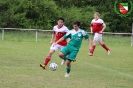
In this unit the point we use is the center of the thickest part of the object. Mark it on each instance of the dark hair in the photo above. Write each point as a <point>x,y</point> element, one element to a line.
<point>77,23</point>
<point>61,19</point>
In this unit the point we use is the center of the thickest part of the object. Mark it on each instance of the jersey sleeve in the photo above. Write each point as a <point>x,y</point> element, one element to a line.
<point>85,34</point>
<point>67,35</point>
<point>67,30</point>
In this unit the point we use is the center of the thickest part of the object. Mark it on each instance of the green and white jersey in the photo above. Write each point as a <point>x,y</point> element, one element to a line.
<point>76,37</point>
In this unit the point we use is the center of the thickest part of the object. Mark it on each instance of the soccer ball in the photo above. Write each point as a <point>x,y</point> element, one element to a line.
<point>53,66</point>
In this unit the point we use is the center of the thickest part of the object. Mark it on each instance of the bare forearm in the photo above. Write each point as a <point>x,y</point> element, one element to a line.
<point>91,29</point>
<point>61,39</point>
<point>103,28</point>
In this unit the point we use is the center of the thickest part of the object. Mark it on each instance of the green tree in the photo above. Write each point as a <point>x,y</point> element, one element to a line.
<point>28,13</point>
<point>43,14</point>
<point>74,13</point>
<point>114,22</point>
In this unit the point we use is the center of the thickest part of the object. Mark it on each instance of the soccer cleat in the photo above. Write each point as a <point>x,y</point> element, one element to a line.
<point>43,66</point>
<point>74,61</point>
<point>90,54</point>
<point>67,75</point>
<point>62,62</point>
<point>108,51</point>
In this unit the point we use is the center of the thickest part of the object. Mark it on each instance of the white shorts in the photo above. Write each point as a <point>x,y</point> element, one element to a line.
<point>97,36</point>
<point>56,47</point>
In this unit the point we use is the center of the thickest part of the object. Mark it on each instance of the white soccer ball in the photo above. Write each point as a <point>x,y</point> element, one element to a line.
<point>53,66</point>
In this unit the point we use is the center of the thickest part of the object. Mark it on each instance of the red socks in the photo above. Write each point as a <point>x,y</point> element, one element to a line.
<point>93,48</point>
<point>47,60</point>
<point>105,47</point>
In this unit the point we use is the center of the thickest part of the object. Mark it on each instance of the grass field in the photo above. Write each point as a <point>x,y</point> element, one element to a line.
<point>20,57</point>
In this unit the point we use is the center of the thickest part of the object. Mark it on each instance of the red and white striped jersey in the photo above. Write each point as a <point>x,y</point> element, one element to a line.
<point>97,25</point>
<point>60,32</point>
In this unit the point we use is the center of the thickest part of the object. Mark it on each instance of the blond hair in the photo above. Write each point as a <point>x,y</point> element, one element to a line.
<point>97,13</point>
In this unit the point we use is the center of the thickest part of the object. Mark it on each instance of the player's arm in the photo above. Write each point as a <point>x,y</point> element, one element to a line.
<point>104,26</point>
<point>52,38</point>
<point>91,27</point>
<point>61,39</point>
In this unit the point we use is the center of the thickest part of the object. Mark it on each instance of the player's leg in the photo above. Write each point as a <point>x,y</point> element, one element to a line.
<point>94,44</point>
<point>64,52</point>
<point>61,55</point>
<point>64,58</point>
<point>93,48</point>
<point>71,57</point>
<point>68,68</point>
<point>48,57</point>
<point>103,45</point>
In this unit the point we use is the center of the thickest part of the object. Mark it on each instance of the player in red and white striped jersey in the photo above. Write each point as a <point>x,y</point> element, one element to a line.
<point>97,27</point>
<point>58,31</point>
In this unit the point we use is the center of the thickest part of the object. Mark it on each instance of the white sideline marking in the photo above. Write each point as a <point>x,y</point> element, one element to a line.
<point>121,73</point>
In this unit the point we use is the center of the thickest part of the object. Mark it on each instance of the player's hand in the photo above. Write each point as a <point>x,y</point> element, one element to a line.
<point>101,32</point>
<point>51,42</point>
<point>54,44</point>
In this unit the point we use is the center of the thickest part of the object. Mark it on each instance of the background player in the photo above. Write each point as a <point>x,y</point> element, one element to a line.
<point>58,31</point>
<point>97,27</point>
<point>70,51</point>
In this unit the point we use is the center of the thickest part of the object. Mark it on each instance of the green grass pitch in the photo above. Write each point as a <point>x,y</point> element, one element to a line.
<point>20,58</point>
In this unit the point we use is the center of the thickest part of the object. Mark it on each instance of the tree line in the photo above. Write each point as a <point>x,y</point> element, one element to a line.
<point>43,14</point>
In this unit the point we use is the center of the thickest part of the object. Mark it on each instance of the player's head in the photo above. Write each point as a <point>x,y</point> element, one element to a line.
<point>60,22</point>
<point>96,15</point>
<point>76,25</point>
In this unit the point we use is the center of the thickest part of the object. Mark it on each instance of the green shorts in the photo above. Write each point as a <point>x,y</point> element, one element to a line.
<point>70,51</point>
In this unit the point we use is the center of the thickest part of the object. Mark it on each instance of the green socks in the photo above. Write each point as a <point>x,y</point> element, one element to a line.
<point>68,69</point>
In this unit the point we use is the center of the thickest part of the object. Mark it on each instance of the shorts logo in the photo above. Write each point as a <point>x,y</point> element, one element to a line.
<point>123,9</point>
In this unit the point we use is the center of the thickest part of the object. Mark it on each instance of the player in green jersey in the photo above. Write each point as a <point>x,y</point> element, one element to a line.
<point>69,52</point>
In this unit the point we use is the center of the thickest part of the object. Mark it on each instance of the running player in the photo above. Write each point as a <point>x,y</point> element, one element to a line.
<point>58,31</point>
<point>97,27</point>
<point>70,51</point>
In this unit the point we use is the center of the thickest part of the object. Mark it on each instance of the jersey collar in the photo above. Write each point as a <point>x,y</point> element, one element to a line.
<point>59,26</point>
